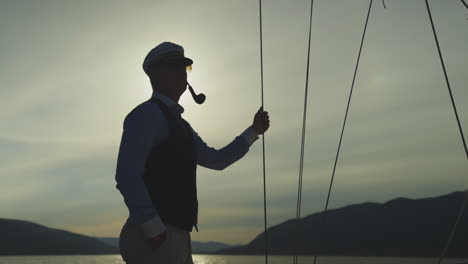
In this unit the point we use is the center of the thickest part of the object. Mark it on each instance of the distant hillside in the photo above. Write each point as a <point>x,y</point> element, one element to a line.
<point>208,247</point>
<point>20,237</point>
<point>400,227</point>
<point>197,247</point>
<point>113,241</point>
<point>26,238</point>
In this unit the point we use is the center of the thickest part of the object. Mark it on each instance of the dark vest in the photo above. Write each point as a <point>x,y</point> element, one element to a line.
<point>170,173</point>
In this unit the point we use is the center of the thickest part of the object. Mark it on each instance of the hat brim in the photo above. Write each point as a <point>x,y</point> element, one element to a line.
<point>176,59</point>
<point>172,59</point>
<point>179,59</point>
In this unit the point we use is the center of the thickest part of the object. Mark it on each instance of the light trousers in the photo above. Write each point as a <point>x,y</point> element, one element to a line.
<point>135,247</point>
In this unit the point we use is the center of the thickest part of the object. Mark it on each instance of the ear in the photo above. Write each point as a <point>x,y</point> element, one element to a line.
<point>155,72</point>
<point>155,69</point>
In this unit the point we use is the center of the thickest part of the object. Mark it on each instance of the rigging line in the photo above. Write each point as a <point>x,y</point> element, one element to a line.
<point>346,116</point>
<point>447,79</point>
<point>454,228</point>
<point>263,136</point>
<point>464,3</point>
<point>304,118</point>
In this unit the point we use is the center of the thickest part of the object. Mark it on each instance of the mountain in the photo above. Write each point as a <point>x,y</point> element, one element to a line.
<point>208,247</point>
<point>113,241</point>
<point>20,237</point>
<point>197,247</point>
<point>400,227</point>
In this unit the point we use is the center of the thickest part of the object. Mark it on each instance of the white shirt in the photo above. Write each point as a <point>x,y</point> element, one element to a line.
<point>146,127</point>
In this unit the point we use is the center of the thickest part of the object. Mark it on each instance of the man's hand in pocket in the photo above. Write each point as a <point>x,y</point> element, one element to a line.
<point>157,241</point>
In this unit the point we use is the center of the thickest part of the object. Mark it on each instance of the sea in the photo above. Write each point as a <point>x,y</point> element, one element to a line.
<point>220,259</point>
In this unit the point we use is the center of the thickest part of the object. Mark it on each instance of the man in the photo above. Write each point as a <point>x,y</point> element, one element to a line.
<point>156,168</point>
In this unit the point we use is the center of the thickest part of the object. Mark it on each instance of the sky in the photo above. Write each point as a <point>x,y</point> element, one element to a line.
<point>70,71</point>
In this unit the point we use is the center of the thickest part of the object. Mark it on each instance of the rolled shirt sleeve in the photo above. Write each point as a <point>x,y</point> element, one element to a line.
<point>215,159</point>
<point>250,135</point>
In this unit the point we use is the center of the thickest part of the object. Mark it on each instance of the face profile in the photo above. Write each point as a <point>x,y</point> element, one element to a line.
<point>171,75</point>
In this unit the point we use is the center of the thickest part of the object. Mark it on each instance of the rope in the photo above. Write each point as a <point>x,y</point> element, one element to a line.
<point>457,221</point>
<point>446,79</point>
<point>464,3</point>
<point>263,137</point>
<point>304,118</point>
<point>345,118</point>
<point>454,228</point>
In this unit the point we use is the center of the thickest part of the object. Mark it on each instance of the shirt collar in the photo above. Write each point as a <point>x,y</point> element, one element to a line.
<point>168,101</point>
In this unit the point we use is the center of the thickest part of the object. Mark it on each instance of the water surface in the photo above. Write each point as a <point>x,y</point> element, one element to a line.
<point>221,259</point>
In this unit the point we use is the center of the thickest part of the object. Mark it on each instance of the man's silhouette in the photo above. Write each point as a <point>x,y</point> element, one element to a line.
<point>156,168</point>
